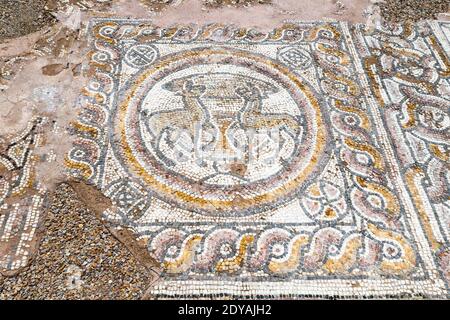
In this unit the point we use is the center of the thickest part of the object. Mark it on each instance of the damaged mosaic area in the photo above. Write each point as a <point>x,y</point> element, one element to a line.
<point>21,197</point>
<point>309,160</point>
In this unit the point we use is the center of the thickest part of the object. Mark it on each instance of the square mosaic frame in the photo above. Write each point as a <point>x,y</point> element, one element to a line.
<point>375,233</point>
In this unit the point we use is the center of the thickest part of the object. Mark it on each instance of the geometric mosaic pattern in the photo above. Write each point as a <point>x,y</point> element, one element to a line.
<point>309,160</point>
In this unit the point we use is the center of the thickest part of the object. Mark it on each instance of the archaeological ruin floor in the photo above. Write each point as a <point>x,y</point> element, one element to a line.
<point>145,154</point>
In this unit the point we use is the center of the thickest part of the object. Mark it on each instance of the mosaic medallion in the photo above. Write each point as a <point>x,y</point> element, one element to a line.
<point>221,131</point>
<point>264,164</point>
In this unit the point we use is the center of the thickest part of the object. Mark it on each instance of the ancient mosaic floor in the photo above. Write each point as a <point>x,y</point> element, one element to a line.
<point>312,160</point>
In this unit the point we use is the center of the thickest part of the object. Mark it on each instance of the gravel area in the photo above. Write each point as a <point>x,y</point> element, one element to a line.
<point>412,10</point>
<point>78,259</point>
<point>21,17</point>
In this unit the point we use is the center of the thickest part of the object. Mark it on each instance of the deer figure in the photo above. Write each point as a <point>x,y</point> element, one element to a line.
<point>173,122</point>
<point>251,116</point>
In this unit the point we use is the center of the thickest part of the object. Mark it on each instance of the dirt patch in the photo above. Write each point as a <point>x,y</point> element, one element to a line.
<point>264,16</point>
<point>237,3</point>
<point>53,69</point>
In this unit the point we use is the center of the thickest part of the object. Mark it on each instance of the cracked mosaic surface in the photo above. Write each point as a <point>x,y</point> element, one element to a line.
<point>312,159</point>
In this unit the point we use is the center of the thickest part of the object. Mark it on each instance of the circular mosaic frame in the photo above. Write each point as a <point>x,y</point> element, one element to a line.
<point>221,200</point>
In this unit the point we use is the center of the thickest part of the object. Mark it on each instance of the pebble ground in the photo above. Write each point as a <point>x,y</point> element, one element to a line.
<point>78,259</point>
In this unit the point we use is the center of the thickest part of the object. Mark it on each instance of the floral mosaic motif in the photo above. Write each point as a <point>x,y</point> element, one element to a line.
<point>262,158</point>
<point>324,202</point>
